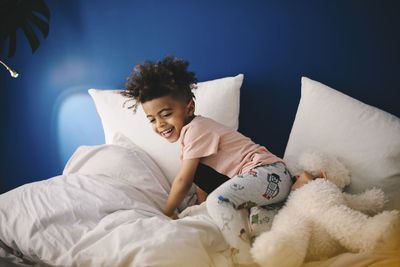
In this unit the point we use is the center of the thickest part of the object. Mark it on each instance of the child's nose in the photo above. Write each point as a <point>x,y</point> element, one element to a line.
<point>160,122</point>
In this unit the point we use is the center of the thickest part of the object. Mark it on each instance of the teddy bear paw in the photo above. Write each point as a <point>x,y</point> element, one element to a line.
<point>271,249</point>
<point>376,200</point>
<point>390,237</point>
<point>382,232</point>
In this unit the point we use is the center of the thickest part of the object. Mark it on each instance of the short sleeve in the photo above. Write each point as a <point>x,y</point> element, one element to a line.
<point>199,141</point>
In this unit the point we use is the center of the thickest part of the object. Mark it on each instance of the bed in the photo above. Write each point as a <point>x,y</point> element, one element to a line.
<point>105,209</point>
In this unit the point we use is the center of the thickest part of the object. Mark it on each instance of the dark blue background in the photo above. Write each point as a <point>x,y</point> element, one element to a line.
<point>352,46</point>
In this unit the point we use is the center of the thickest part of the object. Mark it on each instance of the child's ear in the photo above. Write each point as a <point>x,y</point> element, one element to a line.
<point>190,107</point>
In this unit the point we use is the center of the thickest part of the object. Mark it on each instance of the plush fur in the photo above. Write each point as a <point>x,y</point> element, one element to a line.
<point>319,220</point>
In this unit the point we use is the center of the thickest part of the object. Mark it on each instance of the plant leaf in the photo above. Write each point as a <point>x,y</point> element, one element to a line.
<point>31,36</point>
<point>42,25</point>
<point>37,6</point>
<point>24,14</point>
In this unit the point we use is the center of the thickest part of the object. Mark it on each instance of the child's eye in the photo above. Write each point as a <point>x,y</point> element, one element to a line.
<point>167,115</point>
<point>152,121</point>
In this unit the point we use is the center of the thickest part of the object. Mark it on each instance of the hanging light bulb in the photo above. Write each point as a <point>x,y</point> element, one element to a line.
<point>13,73</point>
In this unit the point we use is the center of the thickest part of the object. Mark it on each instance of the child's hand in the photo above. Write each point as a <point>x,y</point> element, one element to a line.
<point>181,186</point>
<point>304,178</point>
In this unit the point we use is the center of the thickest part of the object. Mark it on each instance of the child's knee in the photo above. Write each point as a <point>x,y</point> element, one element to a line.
<point>217,197</point>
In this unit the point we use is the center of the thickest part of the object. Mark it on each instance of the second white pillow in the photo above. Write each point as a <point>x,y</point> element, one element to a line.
<point>365,138</point>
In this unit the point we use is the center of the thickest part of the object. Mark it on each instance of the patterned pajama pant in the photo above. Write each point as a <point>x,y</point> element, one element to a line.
<point>228,205</point>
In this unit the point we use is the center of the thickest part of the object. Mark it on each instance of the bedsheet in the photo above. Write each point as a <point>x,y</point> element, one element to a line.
<point>381,258</point>
<point>83,218</point>
<point>94,220</point>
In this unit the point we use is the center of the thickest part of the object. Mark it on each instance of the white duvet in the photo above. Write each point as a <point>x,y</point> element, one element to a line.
<point>94,219</point>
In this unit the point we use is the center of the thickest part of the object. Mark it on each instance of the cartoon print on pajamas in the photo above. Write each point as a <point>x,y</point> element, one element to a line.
<point>225,221</point>
<point>266,219</point>
<point>273,187</point>
<point>254,173</point>
<point>246,205</point>
<point>221,200</point>
<point>237,187</point>
<point>234,251</point>
<point>243,235</point>
<point>255,219</point>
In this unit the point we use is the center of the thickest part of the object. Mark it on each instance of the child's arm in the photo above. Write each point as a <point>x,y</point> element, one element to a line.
<point>181,185</point>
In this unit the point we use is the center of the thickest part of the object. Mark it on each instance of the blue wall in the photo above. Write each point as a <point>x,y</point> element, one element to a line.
<point>352,46</point>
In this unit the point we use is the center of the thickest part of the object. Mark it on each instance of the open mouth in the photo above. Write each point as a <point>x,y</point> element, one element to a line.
<point>167,133</point>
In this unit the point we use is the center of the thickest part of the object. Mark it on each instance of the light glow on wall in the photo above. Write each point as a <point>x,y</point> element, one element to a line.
<point>77,124</point>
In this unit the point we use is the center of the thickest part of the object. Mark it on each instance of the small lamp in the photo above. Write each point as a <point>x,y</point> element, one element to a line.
<point>13,73</point>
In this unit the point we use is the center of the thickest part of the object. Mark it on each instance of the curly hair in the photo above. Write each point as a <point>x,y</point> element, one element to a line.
<point>166,77</point>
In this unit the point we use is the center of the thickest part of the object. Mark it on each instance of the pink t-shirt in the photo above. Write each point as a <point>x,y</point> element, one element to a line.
<point>222,148</point>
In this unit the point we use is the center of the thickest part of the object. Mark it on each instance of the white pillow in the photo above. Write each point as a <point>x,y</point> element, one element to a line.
<point>366,138</point>
<point>216,99</point>
<point>125,161</point>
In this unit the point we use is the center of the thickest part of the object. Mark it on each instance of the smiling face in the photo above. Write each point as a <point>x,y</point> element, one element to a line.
<point>168,116</point>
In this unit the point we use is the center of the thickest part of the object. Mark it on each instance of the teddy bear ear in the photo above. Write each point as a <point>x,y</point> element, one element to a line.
<point>292,163</point>
<point>313,161</point>
<point>316,162</point>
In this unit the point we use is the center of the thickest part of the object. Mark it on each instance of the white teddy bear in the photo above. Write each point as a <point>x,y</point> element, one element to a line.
<point>319,221</point>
